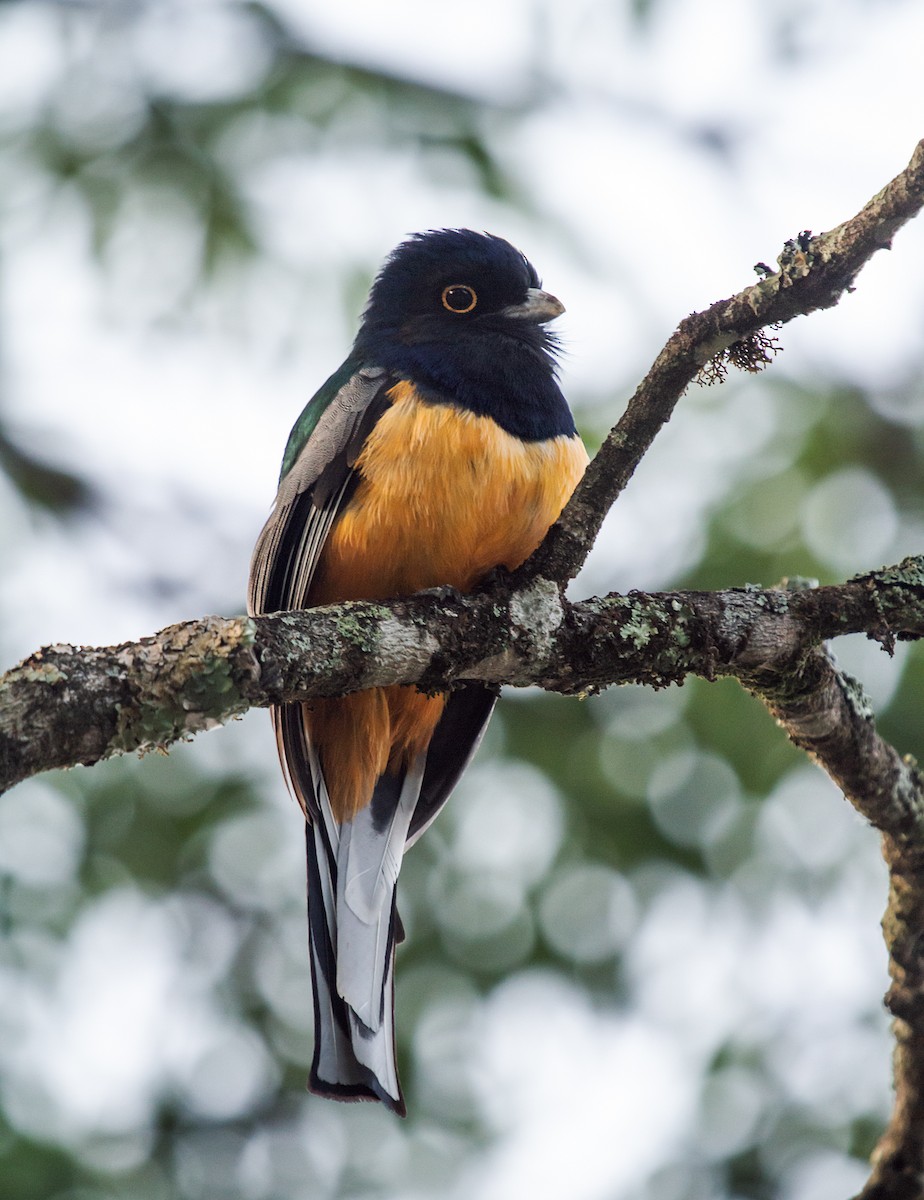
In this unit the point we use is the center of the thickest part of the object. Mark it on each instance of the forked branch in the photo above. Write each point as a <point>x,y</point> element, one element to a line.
<point>67,705</point>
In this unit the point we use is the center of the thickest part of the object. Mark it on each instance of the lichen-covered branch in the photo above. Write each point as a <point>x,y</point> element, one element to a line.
<point>826,713</point>
<point>68,705</point>
<point>898,1161</point>
<point>814,272</point>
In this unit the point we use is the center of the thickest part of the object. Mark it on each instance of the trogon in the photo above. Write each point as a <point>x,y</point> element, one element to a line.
<point>441,449</point>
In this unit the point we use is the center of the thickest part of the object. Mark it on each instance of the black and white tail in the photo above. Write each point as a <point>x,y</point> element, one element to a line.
<point>353,923</point>
<point>352,875</point>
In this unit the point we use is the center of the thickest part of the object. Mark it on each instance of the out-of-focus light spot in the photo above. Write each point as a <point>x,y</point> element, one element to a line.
<point>445,1048</point>
<point>420,987</point>
<point>507,818</point>
<point>840,1074</point>
<point>257,857</point>
<point>115,1155</point>
<point>229,1077</point>
<point>325,184</point>
<point>901,405</point>
<point>733,845</point>
<point>549,1061</point>
<point>91,1044</point>
<point>879,671</point>
<point>823,1176</point>
<point>813,958</point>
<point>849,520</point>
<point>486,54</point>
<point>689,945</point>
<point>30,57</point>
<point>694,797</point>
<point>682,1181</point>
<point>202,52</point>
<point>154,255</point>
<point>41,836</point>
<point>638,713</point>
<point>768,512</point>
<point>806,822</point>
<point>629,762</point>
<point>483,918</point>
<point>209,935</point>
<point>208,1164</point>
<point>283,976</point>
<point>731,1107</point>
<point>283,1159</point>
<point>95,110</point>
<point>376,1145</point>
<point>323,1135</point>
<point>586,912</point>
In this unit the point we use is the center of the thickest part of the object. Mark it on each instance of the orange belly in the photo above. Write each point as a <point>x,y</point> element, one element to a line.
<point>444,497</point>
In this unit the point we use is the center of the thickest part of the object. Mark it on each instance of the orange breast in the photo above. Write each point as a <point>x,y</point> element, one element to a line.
<point>445,495</point>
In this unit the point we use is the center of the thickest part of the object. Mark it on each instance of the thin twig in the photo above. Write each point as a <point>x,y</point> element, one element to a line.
<point>814,273</point>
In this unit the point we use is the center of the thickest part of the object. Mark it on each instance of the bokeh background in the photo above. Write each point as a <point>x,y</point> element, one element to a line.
<point>643,957</point>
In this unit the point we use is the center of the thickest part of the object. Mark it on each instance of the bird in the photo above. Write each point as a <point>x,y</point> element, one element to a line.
<point>440,451</point>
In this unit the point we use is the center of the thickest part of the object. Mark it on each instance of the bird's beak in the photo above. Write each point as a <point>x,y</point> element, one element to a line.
<point>538,306</point>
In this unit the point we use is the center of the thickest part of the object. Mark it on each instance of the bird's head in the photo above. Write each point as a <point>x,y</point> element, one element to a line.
<point>452,284</point>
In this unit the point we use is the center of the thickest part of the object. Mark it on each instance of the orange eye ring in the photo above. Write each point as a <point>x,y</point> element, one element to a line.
<point>459,298</point>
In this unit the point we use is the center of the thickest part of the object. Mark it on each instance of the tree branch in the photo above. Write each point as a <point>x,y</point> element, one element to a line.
<point>898,1160</point>
<point>66,705</point>
<point>814,272</point>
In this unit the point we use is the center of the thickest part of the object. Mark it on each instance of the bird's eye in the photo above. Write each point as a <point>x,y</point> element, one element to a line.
<point>459,298</point>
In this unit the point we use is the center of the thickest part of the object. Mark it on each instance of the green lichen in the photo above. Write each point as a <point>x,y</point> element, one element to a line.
<point>649,621</point>
<point>908,573</point>
<point>896,595</point>
<point>32,671</point>
<point>774,599</point>
<point>145,726</point>
<point>208,691</point>
<point>190,684</point>
<point>362,628</point>
<point>661,627</point>
<point>207,699</point>
<point>638,630</point>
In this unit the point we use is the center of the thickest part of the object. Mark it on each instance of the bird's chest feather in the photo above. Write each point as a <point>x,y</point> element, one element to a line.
<point>444,496</point>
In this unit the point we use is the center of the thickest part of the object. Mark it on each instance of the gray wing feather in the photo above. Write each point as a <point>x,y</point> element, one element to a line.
<point>285,558</point>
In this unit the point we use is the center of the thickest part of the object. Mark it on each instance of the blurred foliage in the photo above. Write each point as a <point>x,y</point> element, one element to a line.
<point>117,138</point>
<point>40,483</point>
<point>606,811</point>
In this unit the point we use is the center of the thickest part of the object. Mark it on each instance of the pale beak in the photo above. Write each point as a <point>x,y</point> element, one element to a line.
<point>538,306</point>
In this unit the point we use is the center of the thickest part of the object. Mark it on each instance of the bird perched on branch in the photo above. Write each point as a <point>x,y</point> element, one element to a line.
<point>440,449</point>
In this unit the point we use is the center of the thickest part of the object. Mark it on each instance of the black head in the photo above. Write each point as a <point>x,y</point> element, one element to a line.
<point>461,314</point>
<point>436,283</point>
